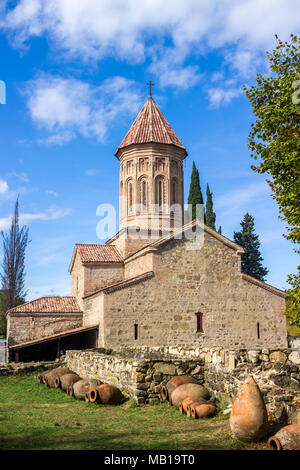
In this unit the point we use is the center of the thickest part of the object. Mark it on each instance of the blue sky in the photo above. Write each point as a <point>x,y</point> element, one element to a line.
<point>75,75</point>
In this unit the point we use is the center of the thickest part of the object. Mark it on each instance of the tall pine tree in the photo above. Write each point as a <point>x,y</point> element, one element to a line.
<point>251,258</point>
<point>210,216</point>
<point>195,194</point>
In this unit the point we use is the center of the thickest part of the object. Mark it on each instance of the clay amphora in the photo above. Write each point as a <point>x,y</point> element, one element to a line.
<point>66,380</point>
<point>41,376</point>
<point>49,379</point>
<point>202,410</point>
<point>79,388</point>
<point>287,438</point>
<point>184,404</point>
<point>105,394</point>
<point>248,417</point>
<point>195,391</point>
<point>173,383</point>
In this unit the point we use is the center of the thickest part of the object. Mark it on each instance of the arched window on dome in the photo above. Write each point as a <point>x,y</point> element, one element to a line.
<point>144,195</point>
<point>159,193</point>
<point>174,189</point>
<point>130,197</point>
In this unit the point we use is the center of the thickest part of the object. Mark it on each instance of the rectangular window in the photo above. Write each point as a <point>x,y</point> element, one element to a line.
<point>258,331</point>
<point>199,317</point>
<point>135,331</point>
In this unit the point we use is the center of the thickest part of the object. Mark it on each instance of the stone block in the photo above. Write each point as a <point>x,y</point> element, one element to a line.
<point>253,356</point>
<point>295,357</point>
<point>278,356</point>
<point>165,368</point>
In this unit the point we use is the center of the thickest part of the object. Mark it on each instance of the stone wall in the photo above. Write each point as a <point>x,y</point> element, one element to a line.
<point>141,372</point>
<point>28,327</point>
<point>88,278</point>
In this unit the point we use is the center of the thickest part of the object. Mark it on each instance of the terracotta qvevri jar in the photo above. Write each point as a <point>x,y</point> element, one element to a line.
<point>287,438</point>
<point>49,378</point>
<point>66,380</point>
<point>106,394</point>
<point>195,391</point>
<point>185,403</point>
<point>202,410</point>
<point>248,418</point>
<point>79,389</point>
<point>174,383</point>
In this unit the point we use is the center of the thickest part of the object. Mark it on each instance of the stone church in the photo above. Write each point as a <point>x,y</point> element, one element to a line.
<point>154,283</point>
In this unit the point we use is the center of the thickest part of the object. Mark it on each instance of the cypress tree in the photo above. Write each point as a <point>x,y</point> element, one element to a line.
<point>251,259</point>
<point>210,216</point>
<point>220,229</point>
<point>195,194</point>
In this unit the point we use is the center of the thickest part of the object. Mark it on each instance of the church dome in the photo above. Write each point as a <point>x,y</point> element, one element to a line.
<point>150,126</point>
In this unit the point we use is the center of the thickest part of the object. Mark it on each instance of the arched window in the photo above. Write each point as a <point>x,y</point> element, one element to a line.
<point>130,196</point>
<point>144,194</point>
<point>160,193</point>
<point>174,191</point>
<point>199,322</point>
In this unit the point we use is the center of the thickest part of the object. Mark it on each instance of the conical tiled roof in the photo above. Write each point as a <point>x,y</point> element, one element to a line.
<point>150,126</point>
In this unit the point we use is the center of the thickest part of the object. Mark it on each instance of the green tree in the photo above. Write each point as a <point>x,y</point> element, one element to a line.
<point>195,193</point>
<point>274,140</point>
<point>13,264</point>
<point>251,259</point>
<point>210,216</point>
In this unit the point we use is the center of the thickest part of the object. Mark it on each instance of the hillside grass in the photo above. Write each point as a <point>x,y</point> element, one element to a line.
<point>35,417</point>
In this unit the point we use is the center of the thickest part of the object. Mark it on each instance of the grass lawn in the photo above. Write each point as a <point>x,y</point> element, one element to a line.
<point>33,416</point>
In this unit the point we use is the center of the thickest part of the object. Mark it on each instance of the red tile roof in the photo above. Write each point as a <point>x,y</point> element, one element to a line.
<point>90,253</point>
<point>49,305</point>
<point>150,126</point>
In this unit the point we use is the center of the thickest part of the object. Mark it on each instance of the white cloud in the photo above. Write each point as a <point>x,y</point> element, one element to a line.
<point>52,213</point>
<point>66,108</point>
<point>21,176</point>
<point>168,66</point>
<point>5,223</point>
<point>92,172</point>
<point>51,287</point>
<point>52,193</point>
<point>234,201</point>
<point>3,186</point>
<point>222,96</point>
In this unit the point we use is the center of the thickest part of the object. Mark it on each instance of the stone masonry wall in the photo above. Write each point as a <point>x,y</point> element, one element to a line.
<point>88,278</point>
<point>28,327</point>
<point>141,372</point>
